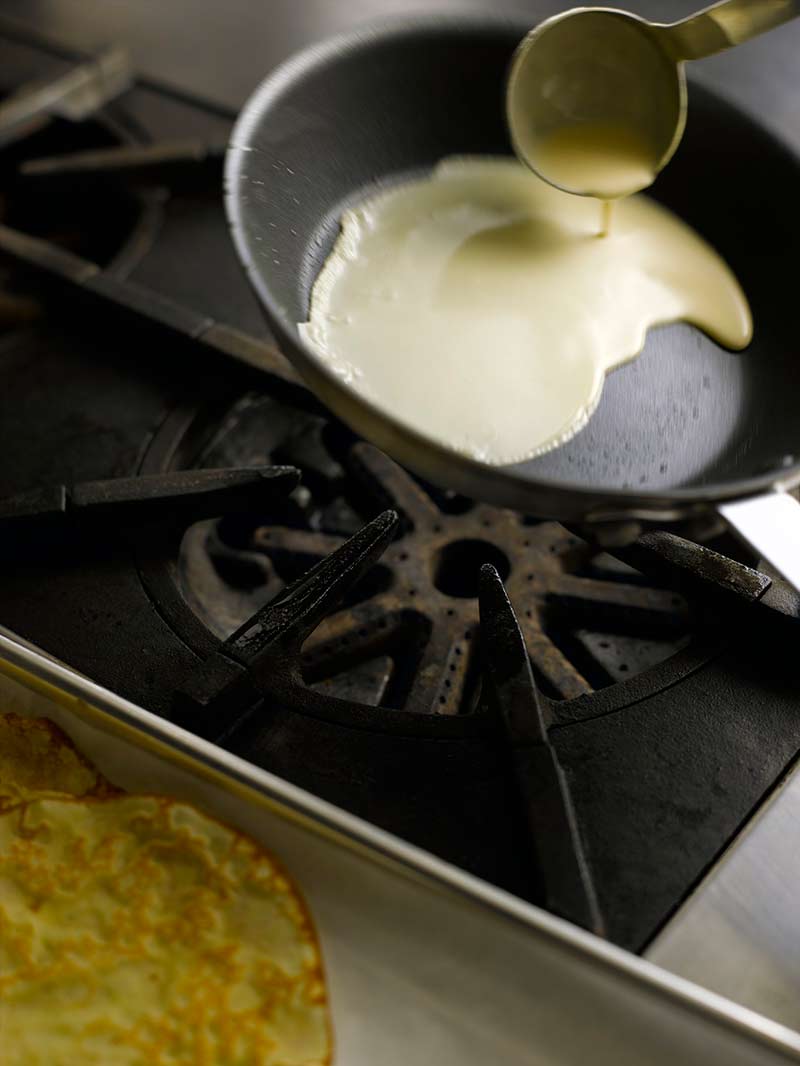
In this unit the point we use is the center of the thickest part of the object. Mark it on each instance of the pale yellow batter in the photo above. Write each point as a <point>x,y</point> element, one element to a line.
<point>605,160</point>
<point>481,306</point>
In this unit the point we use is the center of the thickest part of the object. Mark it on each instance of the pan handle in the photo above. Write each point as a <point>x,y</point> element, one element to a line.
<point>770,524</point>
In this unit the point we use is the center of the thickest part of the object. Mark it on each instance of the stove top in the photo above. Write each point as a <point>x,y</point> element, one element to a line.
<point>357,631</point>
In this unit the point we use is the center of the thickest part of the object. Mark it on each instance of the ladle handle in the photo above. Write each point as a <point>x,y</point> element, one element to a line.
<point>770,525</point>
<point>724,25</point>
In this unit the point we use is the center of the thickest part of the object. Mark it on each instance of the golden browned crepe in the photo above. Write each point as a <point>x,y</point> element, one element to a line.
<point>36,756</point>
<point>137,931</point>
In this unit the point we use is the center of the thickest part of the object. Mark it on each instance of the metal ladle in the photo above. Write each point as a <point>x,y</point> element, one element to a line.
<point>611,87</point>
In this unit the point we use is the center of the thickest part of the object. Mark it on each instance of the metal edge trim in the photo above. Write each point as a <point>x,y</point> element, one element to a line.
<point>753,823</point>
<point>55,680</point>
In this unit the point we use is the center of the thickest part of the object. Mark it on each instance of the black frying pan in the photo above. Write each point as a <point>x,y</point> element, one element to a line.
<point>684,428</point>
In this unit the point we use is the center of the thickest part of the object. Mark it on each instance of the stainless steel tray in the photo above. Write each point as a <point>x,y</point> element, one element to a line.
<point>426,964</point>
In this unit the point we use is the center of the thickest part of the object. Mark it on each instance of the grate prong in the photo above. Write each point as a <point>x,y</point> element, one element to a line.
<point>511,692</point>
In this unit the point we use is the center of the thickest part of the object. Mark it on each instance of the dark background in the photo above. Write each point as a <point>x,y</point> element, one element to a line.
<point>220,49</point>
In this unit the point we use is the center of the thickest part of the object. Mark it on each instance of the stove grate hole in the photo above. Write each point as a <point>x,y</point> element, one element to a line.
<point>458,564</point>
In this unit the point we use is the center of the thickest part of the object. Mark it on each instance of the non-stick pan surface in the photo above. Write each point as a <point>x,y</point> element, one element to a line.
<point>685,425</point>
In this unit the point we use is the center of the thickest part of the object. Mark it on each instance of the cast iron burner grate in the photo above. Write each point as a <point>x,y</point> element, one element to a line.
<point>242,692</point>
<point>108,224</point>
<point>406,636</point>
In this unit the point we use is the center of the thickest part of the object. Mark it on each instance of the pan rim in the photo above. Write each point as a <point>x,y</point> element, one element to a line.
<point>575,500</point>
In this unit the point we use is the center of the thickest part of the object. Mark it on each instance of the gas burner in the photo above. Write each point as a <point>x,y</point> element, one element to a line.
<point>405,636</point>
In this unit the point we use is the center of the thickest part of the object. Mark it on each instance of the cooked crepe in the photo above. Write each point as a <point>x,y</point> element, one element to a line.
<point>37,757</point>
<point>136,930</point>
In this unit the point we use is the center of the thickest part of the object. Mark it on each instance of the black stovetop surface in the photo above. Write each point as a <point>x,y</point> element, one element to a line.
<point>670,723</point>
